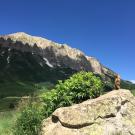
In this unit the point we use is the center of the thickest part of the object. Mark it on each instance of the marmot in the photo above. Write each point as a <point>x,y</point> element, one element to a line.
<point>117,82</point>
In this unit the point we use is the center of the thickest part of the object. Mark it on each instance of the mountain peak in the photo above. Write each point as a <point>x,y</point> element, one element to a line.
<point>26,38</point>
<point>20,34</point>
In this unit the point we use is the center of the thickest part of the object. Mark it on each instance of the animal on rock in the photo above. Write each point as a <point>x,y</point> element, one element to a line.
<point>117,82</point>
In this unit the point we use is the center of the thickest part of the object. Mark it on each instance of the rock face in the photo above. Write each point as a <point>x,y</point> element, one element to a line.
<point>53,53</point>
<point>95,64</point>
<point>110,114</point>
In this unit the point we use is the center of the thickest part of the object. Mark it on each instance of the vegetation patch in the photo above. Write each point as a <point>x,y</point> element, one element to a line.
<point>78,88</point>
<point>7,120</point>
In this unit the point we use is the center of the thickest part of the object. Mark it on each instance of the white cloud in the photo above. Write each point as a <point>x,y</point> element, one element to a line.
<point>133,81</point>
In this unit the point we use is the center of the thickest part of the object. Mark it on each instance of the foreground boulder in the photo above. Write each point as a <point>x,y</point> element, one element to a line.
<point>110,114</point>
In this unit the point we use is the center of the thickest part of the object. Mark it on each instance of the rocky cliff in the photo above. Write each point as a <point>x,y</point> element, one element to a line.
<point>110,114</point>
<point>52,54</point>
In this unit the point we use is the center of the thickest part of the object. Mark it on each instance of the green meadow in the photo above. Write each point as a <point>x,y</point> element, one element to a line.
<point>7,120</point>
<point>10,95</point>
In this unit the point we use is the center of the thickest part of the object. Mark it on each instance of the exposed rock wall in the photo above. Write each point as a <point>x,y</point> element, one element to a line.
<point>56,54</point>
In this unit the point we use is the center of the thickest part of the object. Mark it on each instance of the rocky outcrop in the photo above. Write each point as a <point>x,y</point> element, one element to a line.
<point>110,114</point>
<point>53,53</point>
<point>95,64</point>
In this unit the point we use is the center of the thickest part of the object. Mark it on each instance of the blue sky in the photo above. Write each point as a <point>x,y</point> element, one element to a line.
<point>104,29</point>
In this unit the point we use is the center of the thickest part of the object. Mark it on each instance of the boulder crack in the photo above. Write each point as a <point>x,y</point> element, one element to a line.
<point>106,116</point>
<point>55,119</point>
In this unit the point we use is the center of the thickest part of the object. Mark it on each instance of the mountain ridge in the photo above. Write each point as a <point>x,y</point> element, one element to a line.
<point>62,53</point>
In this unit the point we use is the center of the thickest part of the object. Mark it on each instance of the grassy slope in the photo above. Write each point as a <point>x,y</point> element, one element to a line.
<point>16,89</point>
<point>12,92</point>
<point>6,122</point>
<point>7,115</point>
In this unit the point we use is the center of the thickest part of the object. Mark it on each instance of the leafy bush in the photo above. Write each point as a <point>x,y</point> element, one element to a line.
<point>78,88</point>
<point>29,121</point>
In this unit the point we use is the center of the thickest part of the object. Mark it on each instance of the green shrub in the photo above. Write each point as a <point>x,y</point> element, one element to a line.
<point>29,121</point>
<point>79,87</point>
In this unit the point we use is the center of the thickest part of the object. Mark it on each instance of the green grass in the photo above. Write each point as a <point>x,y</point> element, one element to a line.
<point>16,89</point>
<point>11,92</point>
<point>133,92</point>
<point>7,120</point>
<point>5,103</point>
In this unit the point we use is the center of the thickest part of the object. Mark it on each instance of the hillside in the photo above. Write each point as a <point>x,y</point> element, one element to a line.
<point>22,54</point>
